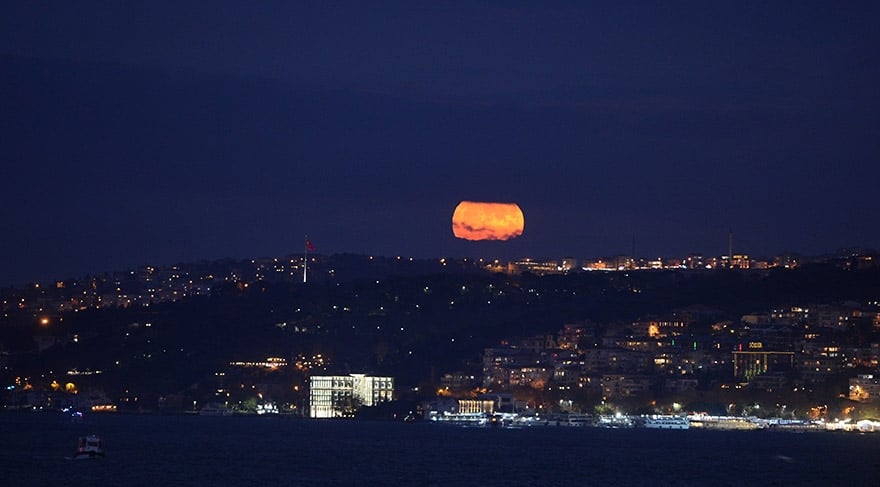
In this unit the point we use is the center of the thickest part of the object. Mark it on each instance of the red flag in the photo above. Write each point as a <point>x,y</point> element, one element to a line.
<point>309,246</point>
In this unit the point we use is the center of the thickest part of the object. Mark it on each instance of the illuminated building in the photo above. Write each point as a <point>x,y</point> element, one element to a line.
<point>458,382</point>
<point>338,396</point>
<point>694,261</point>
<point>474,406</point>
<point>660,329</point>
<point>571,335</point>
<point>498,362</point>
<point>739,261</point>
<point>536,377</point>
<point>621,385</point>
<point>818,368</point>
<point>756,361</point>
<point>787,261</point>
<point>864,388</point>
<point>569,263</point>
<point>625,262</point>
<point>539,268</point>
<point>599,264</point>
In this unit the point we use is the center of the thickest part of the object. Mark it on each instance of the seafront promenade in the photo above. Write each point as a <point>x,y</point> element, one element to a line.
<point>695,421</point>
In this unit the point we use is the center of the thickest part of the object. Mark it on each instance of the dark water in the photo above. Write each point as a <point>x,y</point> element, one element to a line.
<point>192,450</point>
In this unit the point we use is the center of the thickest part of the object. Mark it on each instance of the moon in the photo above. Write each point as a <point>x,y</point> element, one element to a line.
<point>476,220</point>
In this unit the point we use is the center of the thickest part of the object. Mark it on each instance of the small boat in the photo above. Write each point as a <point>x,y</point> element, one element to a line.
<point>89,447</point>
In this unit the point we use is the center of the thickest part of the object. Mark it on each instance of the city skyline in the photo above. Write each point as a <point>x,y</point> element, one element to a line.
<point>173,133</point>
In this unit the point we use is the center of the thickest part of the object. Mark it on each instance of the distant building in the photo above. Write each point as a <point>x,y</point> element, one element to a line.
<point>538,343</point>
<point>694,261</point>
<point>472,406</point>
<point>787,261</point>
<point>752,363</point>
<point>621,385</point>
<point>659,328</point>
<point>536,377</point>
<point>818,368</point>
<point>864,388</point>
<point>625,262</point>
<point>740,261</point>
<point>540,268</point>
<point>337,396</point>
<point>571,335</point>
<point>458,382</point>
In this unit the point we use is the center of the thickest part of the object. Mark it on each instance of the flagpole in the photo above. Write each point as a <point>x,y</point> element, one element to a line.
<point>305,259</point>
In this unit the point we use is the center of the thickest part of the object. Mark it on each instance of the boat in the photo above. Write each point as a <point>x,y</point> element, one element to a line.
<point>89,447</point>
<point>668,422</point>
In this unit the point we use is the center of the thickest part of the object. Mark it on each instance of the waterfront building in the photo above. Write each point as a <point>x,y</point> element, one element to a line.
<point>476,406</point>
<point>337,396</point>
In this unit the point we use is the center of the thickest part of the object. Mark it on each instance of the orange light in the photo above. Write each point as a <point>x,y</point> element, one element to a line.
<point>473,220</point>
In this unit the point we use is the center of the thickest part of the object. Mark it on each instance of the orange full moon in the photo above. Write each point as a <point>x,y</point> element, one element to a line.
<point>474,220</point>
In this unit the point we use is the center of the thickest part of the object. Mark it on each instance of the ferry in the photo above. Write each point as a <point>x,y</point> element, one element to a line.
<point>667,422</point>
<point>88,448</point>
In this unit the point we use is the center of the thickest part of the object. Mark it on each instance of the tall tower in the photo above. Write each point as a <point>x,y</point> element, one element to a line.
<point>634,251</point>
<point>730,248</point>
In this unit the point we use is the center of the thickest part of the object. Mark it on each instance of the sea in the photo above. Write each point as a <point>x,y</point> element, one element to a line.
<point>154,450</point>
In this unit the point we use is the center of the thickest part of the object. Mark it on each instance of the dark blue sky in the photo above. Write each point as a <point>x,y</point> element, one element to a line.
<point>161,132</point>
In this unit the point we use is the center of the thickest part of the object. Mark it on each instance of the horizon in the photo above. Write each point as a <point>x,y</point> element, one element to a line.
<point>536,258</point>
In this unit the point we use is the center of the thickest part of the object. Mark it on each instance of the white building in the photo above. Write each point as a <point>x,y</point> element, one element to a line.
<point>337,396</point>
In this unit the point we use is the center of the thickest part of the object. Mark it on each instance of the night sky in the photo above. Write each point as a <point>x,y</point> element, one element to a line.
<point>163,132</point>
